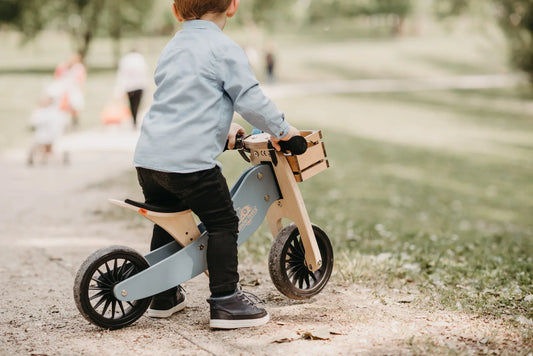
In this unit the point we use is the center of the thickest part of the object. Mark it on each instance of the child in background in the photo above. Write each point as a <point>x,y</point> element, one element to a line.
<point>202,77</point>
<point>48,122</point>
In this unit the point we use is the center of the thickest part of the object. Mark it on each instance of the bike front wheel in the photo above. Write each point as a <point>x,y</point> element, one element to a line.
<point>287,267</point>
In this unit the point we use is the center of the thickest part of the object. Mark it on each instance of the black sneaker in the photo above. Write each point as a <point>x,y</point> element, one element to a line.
<point>164,305</point>
<point>238,310</point>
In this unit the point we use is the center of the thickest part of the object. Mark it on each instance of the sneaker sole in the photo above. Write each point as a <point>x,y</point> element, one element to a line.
<point>154,313</point>
<point>234,324</point>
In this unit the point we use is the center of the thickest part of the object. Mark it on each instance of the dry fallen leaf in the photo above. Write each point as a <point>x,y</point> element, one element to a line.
<point>250,283</point>
<point>283,340</point>
<point>320,334</point>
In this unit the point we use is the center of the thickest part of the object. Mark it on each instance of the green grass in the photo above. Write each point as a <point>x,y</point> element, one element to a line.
<point>488,107</point>
<point>452,222</point>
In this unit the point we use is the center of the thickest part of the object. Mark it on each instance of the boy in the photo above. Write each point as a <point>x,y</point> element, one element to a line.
<point>202,77</point>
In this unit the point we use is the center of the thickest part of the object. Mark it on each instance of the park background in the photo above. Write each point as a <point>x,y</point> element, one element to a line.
<point>426,111</point>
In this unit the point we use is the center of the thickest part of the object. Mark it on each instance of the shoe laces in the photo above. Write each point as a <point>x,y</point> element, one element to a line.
<point>250,298</point>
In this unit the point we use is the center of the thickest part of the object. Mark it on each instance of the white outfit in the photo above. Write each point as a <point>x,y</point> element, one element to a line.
<point>49,123</point>
<point>132,73</point>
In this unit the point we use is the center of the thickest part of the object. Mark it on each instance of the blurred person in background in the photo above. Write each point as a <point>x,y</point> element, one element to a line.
<point>72,76</point>
<point>270,63</point>
<point>132,79</point>
<point>48,123</point>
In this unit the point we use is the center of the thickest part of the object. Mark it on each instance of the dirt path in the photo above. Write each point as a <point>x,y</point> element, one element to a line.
<point>52,220</point>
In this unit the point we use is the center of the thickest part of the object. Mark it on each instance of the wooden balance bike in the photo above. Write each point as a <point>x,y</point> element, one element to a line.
<point>114,286</point>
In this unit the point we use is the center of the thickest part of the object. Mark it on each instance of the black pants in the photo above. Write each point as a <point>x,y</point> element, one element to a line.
<point>134,98</point>
<point>206,193</point>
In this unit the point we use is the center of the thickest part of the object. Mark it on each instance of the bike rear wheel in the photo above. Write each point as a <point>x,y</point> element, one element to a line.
<point>94,283</point>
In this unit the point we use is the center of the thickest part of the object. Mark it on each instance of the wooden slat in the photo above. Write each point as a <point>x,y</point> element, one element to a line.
<point>311,171</point>
<point>314,154</point>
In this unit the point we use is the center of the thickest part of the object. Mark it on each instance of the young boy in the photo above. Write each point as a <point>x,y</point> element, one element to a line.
<point>202,77</point>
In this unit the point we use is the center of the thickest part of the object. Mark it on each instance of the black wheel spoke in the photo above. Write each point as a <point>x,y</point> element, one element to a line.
<point>293,256</point>
<point>121,307</point>
<point>294,264</point>
<point>300,280</point>
<point>102,299</point>
<point>301,245</point>
<point>128,272</point>
<point>106,305</point>
<point>307,280</point>
<point>99,294</point>
<point>298,276</point>
<point>113,306</point>
<point>104,277</point>
<point>297,248</point>
<point>120,274</point>
<point>108,271</point>
<point>291,272</point>
<point>101,281</point>
<point>115,270</point>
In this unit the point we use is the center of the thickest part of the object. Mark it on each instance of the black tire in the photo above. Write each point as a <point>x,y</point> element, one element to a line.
<point>287,267</point>
<point>94,282</point>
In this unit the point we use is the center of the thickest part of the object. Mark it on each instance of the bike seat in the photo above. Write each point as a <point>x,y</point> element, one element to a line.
<point>156,208</point>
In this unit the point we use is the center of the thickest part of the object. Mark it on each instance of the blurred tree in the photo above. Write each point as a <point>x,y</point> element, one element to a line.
<point>266,13</point>
<point>82,19</point>
<point>516,19</point>
<point>401,9</point>
<point>26,16</point>
<point>9,11</point>
<point>446,8</point>
<point>396,10</point>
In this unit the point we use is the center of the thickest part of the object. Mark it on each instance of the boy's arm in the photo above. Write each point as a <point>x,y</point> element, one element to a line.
<point>240,83</point>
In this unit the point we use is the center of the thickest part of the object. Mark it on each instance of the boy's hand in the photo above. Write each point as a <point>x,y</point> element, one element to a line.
<point>235,129</point>
<point>293,131</point>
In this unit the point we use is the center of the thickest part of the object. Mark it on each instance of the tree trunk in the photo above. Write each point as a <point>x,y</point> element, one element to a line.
<point>91,24</point>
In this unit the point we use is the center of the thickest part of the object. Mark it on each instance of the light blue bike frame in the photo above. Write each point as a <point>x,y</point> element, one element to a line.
<point>253,193</point>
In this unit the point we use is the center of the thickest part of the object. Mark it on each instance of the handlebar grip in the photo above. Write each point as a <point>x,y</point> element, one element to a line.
<point>296,145</point>
<point>238,142</point>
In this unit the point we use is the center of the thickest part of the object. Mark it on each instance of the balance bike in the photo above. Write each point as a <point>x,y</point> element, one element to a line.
<point>114,285</point>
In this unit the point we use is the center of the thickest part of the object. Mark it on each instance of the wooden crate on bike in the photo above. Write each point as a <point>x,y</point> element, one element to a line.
<point>313,161</point>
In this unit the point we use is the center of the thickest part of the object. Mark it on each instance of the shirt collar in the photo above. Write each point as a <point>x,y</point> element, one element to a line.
<point>200,24</point>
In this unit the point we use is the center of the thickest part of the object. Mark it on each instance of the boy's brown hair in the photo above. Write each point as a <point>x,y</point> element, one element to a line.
<point>195,9</point>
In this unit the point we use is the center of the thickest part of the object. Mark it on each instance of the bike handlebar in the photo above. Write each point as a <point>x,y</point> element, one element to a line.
<point>296,145</point>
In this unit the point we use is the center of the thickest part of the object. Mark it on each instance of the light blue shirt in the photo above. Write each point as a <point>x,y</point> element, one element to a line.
<point>202,78</point>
